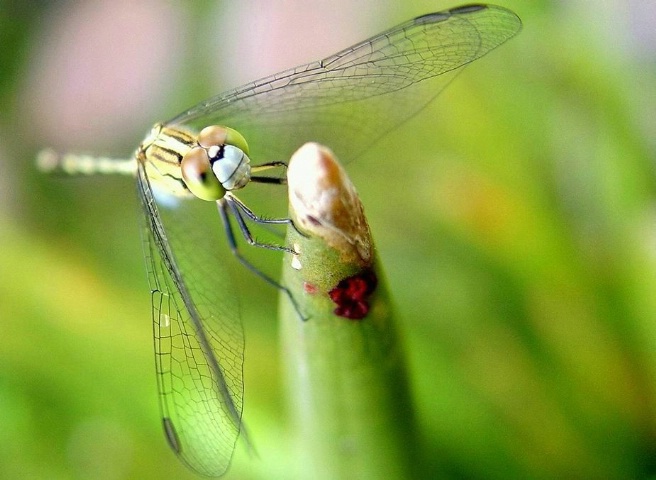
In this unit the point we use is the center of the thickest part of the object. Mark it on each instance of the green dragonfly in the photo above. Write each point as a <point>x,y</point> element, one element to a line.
<point>199,158</point>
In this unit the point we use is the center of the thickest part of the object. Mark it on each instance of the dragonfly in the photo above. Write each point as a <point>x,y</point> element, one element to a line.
<point>202,156</point>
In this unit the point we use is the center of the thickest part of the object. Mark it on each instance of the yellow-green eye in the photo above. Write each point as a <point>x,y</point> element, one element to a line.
<point>198,175</point>
<point>215,135</point>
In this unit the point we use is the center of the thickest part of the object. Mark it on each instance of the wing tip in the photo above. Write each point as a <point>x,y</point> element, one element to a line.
<point>443,15</point>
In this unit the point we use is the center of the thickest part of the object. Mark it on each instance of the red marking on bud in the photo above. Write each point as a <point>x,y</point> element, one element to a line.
<point>310,288</point>
<point>352,293</point>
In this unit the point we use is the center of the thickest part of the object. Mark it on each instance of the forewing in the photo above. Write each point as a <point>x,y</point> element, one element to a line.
<point>198,336</point>
<point>349,100</point>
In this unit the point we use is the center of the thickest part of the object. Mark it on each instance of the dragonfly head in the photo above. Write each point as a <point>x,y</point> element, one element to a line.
<point>218,163</point>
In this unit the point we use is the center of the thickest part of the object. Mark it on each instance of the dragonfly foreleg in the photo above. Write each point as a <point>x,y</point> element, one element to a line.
<point>267,166</point>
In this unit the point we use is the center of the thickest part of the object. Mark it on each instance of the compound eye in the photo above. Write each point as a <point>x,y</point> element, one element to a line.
<point>215,135</point>
<point>198,175</point>
<point>212,136</point>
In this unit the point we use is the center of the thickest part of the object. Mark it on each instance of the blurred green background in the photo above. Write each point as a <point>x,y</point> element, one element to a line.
<point>518,234</point>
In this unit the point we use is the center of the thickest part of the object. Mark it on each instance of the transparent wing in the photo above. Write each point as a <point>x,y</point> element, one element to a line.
<point>349,100</point>
<point>199,341</point>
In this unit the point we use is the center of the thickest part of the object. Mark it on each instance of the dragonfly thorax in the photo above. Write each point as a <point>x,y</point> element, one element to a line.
<point>207,164</point>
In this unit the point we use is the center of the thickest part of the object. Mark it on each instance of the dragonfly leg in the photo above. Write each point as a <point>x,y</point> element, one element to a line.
<point>268,166</point>
<point>271,180</point>
<point>236,204</point>
<point>223,205</point>
<point>237,208</point>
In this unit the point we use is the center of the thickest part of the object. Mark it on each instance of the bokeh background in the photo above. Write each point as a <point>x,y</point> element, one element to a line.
<point>515,218</point>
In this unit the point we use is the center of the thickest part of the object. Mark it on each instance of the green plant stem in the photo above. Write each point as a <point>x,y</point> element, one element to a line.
<point>347,387</point>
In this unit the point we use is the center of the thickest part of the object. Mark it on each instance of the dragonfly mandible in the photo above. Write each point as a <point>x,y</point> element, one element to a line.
<point>202,156</point>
